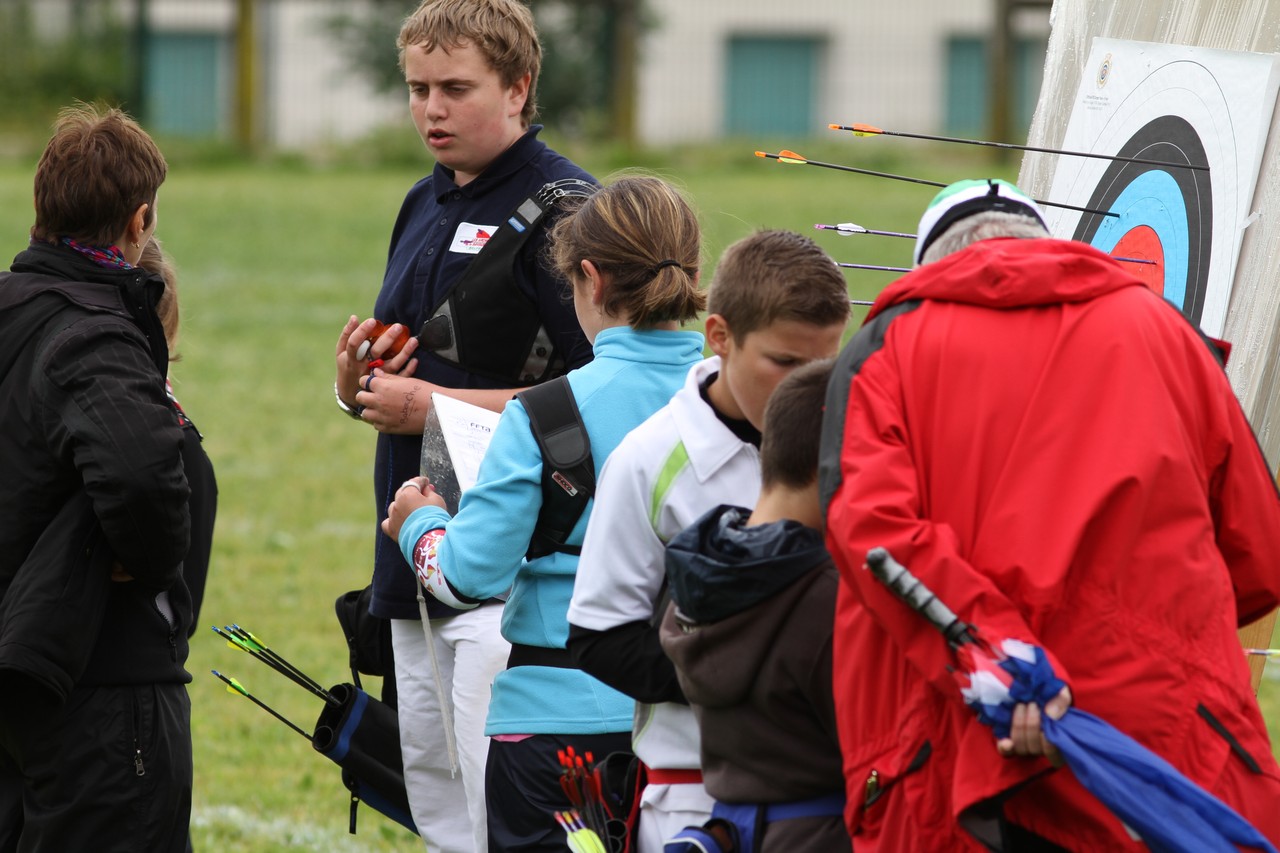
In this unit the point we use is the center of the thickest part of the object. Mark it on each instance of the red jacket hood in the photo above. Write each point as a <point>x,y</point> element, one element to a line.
<point>1012,273</point>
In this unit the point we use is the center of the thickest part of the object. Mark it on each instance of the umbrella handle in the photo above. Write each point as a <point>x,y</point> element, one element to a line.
<point>917,596</point>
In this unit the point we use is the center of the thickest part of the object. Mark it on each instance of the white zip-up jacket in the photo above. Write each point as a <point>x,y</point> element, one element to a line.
<point>664,475</point>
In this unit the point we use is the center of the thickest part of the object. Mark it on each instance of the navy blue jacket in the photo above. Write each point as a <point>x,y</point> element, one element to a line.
<point>431,246</point>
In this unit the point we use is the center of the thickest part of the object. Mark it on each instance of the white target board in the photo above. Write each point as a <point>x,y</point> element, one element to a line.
<point>1193,122</point>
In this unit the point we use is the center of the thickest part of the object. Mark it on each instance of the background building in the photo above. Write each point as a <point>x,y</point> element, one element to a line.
<point>689,70</point>
<point>713,68</point>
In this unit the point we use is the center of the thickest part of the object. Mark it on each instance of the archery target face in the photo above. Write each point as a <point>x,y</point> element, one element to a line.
<point>1179,106</point>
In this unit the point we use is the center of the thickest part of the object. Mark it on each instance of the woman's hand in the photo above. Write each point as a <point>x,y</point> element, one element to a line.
<point>408,498</point>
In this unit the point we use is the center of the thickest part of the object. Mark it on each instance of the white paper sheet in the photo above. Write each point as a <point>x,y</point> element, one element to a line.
<point>454,439</point>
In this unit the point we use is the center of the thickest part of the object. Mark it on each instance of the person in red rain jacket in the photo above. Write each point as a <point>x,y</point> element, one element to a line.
<point>1055,451</point>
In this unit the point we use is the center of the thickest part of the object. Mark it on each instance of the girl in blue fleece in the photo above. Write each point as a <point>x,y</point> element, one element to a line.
<point>631,253</point>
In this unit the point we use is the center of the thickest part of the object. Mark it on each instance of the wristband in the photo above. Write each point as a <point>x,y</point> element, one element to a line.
<point>350,412</point>
<point>426,565</point>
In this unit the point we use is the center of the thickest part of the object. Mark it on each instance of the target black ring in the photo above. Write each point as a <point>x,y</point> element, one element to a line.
<point>1169,139</point>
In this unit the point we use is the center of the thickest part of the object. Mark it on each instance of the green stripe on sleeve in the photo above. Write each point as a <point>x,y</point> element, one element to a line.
<point>671,469</point>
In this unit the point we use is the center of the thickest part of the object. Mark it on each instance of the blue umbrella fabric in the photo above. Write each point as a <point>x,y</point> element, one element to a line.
<point>1167,810</point>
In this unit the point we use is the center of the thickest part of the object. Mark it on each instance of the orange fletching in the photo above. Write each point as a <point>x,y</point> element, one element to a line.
<point>866,130</point>
<point>791,157</point>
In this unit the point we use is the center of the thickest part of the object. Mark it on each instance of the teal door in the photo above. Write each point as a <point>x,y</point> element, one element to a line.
<point>968,84</point>
<point>183,74</point>
<point>772,85</point>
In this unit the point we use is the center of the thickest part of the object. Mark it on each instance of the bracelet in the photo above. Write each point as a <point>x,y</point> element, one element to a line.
<point>347,410</point>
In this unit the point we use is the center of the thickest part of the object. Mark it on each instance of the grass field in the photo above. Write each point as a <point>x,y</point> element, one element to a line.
<point>272,258</point>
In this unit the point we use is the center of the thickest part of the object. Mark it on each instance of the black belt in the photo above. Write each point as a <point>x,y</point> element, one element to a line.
<point>522,655</point>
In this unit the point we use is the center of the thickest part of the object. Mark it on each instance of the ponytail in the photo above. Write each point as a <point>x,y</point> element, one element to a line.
<point>644,237</point>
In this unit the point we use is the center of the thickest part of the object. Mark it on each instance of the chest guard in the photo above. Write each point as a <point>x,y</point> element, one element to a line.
<point>486,324</point>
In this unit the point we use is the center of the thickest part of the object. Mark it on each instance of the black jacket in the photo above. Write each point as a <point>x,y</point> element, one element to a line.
<point>83,411</point>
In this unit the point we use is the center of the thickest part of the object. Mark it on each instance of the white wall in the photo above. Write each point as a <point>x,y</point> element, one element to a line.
<point>311,95</point>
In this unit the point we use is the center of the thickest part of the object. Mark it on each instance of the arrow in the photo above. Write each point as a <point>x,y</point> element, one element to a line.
<point>289,669</point>
<point>245,641</point>
<point>791,158</point>
<point>872,130</point>
<point>1271,653</point>
<point>870,267</point>
<point>234,686</point>
<point>580,839</point>
<point>846,229</point>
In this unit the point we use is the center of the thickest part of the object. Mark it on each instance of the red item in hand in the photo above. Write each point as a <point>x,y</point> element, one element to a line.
<point>362,352</point>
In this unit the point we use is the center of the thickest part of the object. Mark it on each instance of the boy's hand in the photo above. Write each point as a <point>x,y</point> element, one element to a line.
<point>409,497</point>
<point>351,369</point>
<point>394,404</point>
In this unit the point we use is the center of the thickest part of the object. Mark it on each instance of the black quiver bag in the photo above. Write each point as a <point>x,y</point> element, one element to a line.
<point>362,736</point>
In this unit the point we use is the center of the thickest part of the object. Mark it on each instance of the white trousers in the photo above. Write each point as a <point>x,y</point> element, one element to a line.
<point>449,811</point>
<point>667,809</point>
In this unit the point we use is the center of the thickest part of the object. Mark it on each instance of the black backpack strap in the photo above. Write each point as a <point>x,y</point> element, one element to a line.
<point>568,470</point>
<point>485,323</point>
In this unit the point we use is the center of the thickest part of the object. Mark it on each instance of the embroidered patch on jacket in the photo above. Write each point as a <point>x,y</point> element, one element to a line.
<point>470,239</point>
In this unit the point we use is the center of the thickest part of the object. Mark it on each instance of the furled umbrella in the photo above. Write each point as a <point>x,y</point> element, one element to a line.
<point>1167,810</point>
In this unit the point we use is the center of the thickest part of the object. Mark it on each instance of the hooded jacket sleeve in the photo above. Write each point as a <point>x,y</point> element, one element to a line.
<point>105,408</point>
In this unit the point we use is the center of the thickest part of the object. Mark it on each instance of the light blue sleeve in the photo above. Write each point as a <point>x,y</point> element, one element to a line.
<point>485,543</point>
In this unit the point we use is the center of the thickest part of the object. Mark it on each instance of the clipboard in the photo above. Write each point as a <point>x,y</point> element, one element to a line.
<point>454,439</point>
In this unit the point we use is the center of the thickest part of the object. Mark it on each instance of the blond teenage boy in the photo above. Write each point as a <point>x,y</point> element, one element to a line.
<point>777,302</point>
<point>471,68</point>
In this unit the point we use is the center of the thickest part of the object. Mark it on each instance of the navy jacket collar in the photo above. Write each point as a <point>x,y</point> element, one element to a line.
<point>504,165</point>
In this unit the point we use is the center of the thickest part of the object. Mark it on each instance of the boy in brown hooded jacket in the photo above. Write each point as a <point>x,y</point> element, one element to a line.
<point>749,630</point>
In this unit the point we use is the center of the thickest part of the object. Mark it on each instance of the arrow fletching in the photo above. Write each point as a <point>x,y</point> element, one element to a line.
<point>233,686</point>
<point>858,129</point>
<point>252,639</point>
<point>844,229</point>
<point>848,229</point>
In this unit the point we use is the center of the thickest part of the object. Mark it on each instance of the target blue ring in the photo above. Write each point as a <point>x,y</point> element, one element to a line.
<point>1153,199</point>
